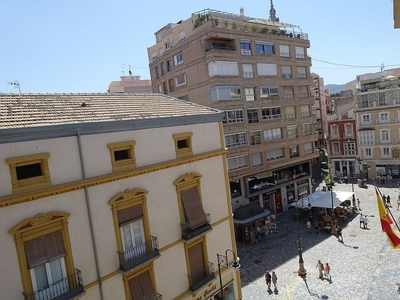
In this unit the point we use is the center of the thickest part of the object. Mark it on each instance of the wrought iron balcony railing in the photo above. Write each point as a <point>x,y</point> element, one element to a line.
<point>201,278</point>
<point>138,255</point>
<point>67,288</point>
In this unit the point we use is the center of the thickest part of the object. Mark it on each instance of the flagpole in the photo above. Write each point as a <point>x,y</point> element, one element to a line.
<point>393,219</point>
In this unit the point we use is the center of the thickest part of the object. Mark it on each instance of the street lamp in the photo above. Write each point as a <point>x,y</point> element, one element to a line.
<point>223,261</point>
<point>332,212</point>
<point>302,271</point>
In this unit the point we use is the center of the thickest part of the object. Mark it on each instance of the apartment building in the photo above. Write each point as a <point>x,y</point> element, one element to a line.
<point>92,208</point>
<point>319,109</point>
<point>258,72</point>
<point>130,84</point>
<point>377,107</point>
<point>342,145</point>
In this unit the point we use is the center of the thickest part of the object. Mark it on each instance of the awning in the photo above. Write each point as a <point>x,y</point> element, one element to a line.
<point>324,199</point>
<point>253,218</point>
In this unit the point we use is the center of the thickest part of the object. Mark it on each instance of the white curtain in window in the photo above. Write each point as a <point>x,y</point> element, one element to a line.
<point>223,68</point>
<point>256,159</point>
<point>299,51</point>
<point>308,147</point>
<point>266,69</point>
<point>284,50</point>
<point>286,70</point>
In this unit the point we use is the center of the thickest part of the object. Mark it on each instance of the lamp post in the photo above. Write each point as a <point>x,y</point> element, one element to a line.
<point>302,271</point>
<point>333,212</point>
<point>223,261</point>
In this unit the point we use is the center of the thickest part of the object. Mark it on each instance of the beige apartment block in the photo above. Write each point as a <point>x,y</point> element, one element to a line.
<point>258,72</point>
<point>377,106</point>
<point>114,196</point>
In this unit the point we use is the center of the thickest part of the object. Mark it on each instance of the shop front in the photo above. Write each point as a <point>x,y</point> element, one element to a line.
<point>249,220</point>
<point>303,188</point>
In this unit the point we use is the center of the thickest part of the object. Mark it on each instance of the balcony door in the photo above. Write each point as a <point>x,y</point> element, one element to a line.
<point>133,239</point>
<point>47,279</point>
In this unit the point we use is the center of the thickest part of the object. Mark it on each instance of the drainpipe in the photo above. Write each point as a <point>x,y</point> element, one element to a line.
<point>89,211</point>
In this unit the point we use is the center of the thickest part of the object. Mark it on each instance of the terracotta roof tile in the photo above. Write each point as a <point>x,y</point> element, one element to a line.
<point>32,110</point>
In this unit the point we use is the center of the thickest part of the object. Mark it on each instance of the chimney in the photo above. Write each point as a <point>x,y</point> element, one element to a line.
<point>242,12</point>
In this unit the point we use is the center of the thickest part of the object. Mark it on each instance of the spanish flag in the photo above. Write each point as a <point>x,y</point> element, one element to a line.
<point>386,222</point>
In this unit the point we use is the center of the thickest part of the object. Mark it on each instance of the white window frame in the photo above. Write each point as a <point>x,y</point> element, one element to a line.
<point>266,69</point>
<point>284,51</point>
<point>385,152</point>
<point>272,112</point>
<point>308,148</point>
<point>267,91</point>
<point>385,136</point>
<point>256,159</point>
<point>234,116</point>
<point>178,59</point>
<point>273,134</point>
<point>366,137</point>
<point>55,290</point>
<point>181,35</point>
<point>300,53</point>
<point>368,152</point>
<point>250,93</point>
<point>238,162</point>
<point>180,80</point>
<point>301,72</point>
<point>223,68</point>
<point>365,119</point>
<point>256,134</point>
<point>334,131</point>
<point>239,139</point>
<point>235,93</point>
<point>384,118</point>
<point>248,71</point>
<point>286,72</point>
<point>275,154</point>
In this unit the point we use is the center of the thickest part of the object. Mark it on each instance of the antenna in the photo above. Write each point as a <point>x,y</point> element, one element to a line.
<point>382,67</point>
<point>16,84</point>
<point>123,69</point>
<point>130,71</point>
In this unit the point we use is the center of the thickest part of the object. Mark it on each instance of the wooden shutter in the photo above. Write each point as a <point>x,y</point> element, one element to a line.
<point>193,208</point>
<point>129,215</point>
<point>141,287</point>
<point>196,261</point>
<point>44,249</point>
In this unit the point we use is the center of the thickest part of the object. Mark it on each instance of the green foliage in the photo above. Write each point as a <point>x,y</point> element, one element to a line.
<point>329,179</point>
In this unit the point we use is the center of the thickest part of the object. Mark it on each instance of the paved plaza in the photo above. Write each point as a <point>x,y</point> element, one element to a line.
<point>365,266</point>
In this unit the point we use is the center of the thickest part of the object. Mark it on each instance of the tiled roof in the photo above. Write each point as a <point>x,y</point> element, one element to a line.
<point>33,110</point>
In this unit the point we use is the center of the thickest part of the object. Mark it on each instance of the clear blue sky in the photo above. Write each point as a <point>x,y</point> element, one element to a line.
<point>78,46</point>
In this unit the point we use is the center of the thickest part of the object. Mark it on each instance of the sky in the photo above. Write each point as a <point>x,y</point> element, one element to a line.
<point>80,46</point>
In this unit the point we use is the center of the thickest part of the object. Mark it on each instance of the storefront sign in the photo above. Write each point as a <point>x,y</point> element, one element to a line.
<point>206,293</point>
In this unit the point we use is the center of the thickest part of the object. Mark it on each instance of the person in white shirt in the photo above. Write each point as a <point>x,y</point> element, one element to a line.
<point>361,221</point>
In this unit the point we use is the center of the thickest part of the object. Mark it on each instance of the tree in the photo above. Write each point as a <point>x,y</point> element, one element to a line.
<point>329,180</point>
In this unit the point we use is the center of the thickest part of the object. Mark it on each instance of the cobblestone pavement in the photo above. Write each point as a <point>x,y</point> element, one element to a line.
<point>364,266</point>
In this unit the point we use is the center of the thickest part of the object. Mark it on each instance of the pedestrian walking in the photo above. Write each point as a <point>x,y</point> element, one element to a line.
<point>327,271</point>
<point>339,234</point>
<point>358,203</point>
<point>361,221</point>
<point>309,226</point>
<point>388,201</point>
<point>320,267</point>
<point>398,202</point>
<point>384,199</point>
<point>274,279</point>
<point>268,278</point>
<point>366,222</point>
<point>316,226</point>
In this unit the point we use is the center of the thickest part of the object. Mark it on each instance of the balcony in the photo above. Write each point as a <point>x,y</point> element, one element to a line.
<point>196,281</point>
<point>68,288</point>
<point>189,233</point>
<point>138,255</point>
